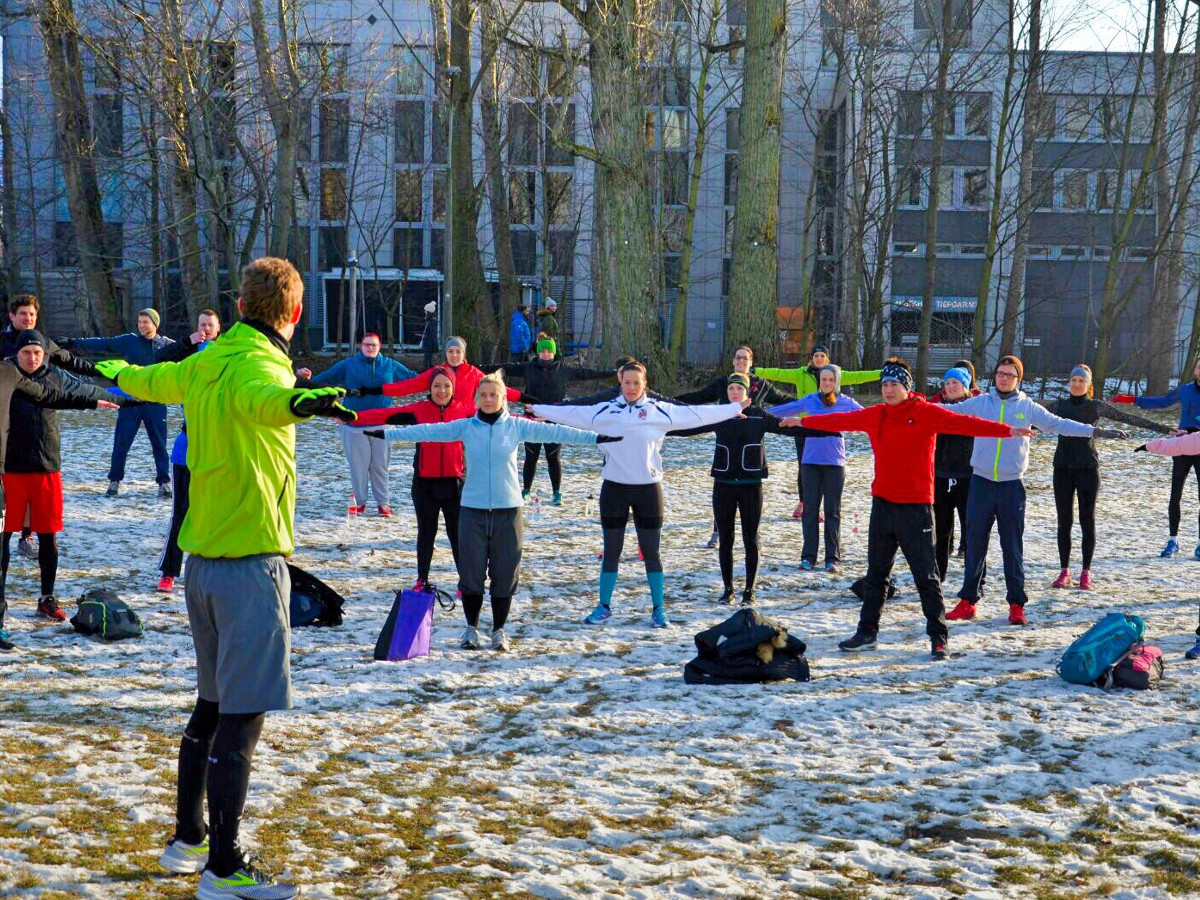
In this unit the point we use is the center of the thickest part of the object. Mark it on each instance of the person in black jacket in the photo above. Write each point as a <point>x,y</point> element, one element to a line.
<point>1077,470</point>
<point>614,392</point>
<point>23,310</point>
<point>32,483</point>
<point>738,469</point>
<point>546,379</point>
<point>951,470</point>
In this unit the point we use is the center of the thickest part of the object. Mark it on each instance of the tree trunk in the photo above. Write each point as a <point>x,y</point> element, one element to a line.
<point>1163,311</point>
<point>73,126</point>
<point>12,260</point>
<point>1183,188</point>
<point>754,279</point>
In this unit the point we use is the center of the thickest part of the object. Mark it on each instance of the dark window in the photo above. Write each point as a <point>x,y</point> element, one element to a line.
<point>675,179</point>
<point>408,248</point>
<point>333,246</point>
<point>441,133</point>
<point>733,129</point>
<point>408,195</point>
<point>979,115</point>
<point>522,188</point>
<point>437,249</point>
<point>524,246</point>
<point>731,178</point>
<point>410,131</point>
<point>560,121</point>
<point>558,198</point>
<point>910,119</point>
<point>1042,188</point>
<point>334,130</point>
<point>108,116</point>
<point>562,253</point>
<point>64,245</point>
<point>106,65</point>
<point>333,193</point>
<point>522,135</point>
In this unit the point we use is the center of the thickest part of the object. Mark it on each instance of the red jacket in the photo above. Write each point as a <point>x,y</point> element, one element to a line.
<point>903,439</point>
<point>467,378</point>
<point>433,460</point>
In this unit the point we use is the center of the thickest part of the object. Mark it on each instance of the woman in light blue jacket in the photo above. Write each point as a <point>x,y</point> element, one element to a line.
<point>490,527</point>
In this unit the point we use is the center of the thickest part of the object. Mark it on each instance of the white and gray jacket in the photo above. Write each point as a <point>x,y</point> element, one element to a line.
<point>642,426</point>
<point>1006,459</point>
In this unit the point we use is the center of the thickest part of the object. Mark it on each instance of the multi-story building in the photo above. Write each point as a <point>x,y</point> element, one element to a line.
<point>373,165</point>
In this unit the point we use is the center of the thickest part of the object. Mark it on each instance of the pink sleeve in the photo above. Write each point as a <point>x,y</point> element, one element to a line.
<point>1184,445</point>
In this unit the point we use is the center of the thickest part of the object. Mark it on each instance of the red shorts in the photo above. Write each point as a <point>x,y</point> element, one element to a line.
<point>37,493</point>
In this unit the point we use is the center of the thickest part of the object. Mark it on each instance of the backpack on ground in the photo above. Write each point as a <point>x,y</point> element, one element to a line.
<point>312,601</point>
<point>747,648</point>
<point>1092,656</point>
<point>103,613</point>
<point>1140,670</point>
<point>409,624</point>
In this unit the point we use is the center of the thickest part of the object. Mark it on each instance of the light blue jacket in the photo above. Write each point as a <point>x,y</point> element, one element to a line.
<point>359,372</point>
<point>1006,459</point>
<point>491,452</point>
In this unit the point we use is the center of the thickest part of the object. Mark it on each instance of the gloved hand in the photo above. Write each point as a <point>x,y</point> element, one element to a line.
<point>65,343</point>
<point>1127,399</point>
<point>1141,449</point>
<point>605,439</point>
<point>1115,433</point>
<point>111,368</point>
<point>370,391</point>
<point>376,433</point>
<point>322,402</point>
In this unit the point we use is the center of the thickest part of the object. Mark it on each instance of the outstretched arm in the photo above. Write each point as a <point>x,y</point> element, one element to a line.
<point>408,385</point>
<point>776,426</point>
<point>1184,445</point>
<point>434,432</point>
<point>575,416</point>
<point>547,433</point>
<point>859,420</point>
<point>1108,411</point>
<point>861,377</point>
<point>691,416</point>
<point>947,422</point>
<point>710,393</point>
<point>1052,424</point>
<point>1165,401</point>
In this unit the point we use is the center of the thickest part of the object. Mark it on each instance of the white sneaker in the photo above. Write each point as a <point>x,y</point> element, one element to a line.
<point>183,858</point>
<point>500,642</point>
<point>247,883</point>
<point>470,639</point>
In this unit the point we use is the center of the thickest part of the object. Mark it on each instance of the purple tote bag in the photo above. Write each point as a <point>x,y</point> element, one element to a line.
<point>414,622</point>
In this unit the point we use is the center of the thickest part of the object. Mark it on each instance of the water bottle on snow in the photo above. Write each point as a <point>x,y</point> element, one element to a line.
<point>351,508</point>
<point>589,505</point>
<point>535,511</point>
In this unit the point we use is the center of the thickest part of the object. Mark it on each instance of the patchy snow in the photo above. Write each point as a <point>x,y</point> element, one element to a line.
<point>580,764</point>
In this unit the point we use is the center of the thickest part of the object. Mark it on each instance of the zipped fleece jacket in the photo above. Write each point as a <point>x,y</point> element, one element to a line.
<point>998,460</point>
<point>821,451</point>
<point>236,396</point>
<point>636,458</point>
<point>903,438</point>
<point>490,449</point>
<point>358,372</point>
<point>808,380</point>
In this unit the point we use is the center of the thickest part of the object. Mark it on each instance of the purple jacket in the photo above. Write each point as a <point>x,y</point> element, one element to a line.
<point>826,451</point>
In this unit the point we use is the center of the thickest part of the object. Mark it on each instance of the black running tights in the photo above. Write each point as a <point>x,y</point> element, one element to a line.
<point>1067,484</point>
<point>47,561</point>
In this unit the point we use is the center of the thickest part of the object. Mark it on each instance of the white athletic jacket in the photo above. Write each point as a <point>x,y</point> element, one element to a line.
<point>642,425</point>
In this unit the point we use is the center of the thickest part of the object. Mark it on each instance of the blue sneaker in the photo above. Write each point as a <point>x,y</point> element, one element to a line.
<point>598,615</point>
<point>1196,553</point>
<point>658,618</point>
<point>831,568</point>
<point>1194,653</point>
<point>6,644</point>
<point>1172,549</point>
<point>805,565</point>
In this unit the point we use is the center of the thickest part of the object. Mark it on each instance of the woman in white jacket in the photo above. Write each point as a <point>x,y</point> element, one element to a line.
<point>633,474</point>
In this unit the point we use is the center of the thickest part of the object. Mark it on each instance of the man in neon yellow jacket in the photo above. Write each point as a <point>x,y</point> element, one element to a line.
<point>241,407</point>
<point>807,381</point>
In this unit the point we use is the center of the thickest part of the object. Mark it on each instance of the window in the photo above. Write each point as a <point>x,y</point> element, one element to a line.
<point>731,179</point>
<point>1143,119</point>
<point>979,115</point>
<point>973,250</point>
<point>1075,189</point>
<point>1101,252</point>
<point>562,253</point>
<point>558,198</point>
<point>222,65</point>
<point>975,188</point>
<point>1075,117</point>
<point>1072,253</point>
<point>408,196</point>
<point>333,193</point>
<point>333,127</point>
<point>733,133</point>
<point>945,188</point>
<point>104,63</point>
<point>410,70</point>
<point>524,246</point>
<point>522,197</point>
<point>927,16</point>
<point>1042,188</point>
<point>910,116</point>
<point>333,246</point>
<point>905,249</point>
<point>1044,123</point>
<point>526,72</point>
<point>1146,198</point>
<point>1138,254</point>
<point>114,244</point>
<point>410,131</point>
<point>408,248</point>
<point>325,65</point>
<point>1115,113</point>
<point>911,193</point>
<point>674,179</point>
<point>65,255</point>
<point>108,117</point>
<point>674,133</point>
<point>1107,183</point>
<point>726,267</point>
<point>1039,250</point>
<point>735,13</point>
<point>561,124</point>
<point>522,135</point>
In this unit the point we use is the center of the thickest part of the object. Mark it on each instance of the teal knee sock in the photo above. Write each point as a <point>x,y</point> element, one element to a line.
<point>656,581</point>
<point>608,583</point>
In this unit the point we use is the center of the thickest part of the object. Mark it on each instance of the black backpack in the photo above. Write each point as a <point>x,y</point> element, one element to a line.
<point>313,602</point>
<point>103,613</point>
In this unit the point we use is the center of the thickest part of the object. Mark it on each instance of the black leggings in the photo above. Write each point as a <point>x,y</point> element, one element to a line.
<point>553,464</point>
<point>1086,484</point>
<point>728,501</point>
<point>47,563</point>
<point>949,497</point>
<point>171,561</point>
<point>646,502</point>
<point>432,497</point>
<point>1180,467</point>
<point>473,605</point>
<point>215,755</point>
<point>799,467</point>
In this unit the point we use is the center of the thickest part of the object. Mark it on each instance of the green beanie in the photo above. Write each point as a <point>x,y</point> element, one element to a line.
<point>547,343</point>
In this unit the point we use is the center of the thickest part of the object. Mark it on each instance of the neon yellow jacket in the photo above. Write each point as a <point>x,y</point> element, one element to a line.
<point>241,442</point>
<point>806,382</point>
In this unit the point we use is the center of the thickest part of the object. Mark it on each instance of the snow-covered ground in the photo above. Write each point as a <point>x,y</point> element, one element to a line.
<point>581,765</point>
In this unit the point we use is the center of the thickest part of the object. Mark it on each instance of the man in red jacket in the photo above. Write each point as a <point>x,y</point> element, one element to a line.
<point>903,432</point>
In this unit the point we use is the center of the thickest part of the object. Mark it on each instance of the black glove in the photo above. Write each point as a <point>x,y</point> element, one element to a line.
<point>605,439</point>
<point>65,343</point>
<point>1141,449</point>
<point>357,392</point>
<point>324,401</point>
<point>1115,433</point>
<point>368,392</point>
<point>376,433</point>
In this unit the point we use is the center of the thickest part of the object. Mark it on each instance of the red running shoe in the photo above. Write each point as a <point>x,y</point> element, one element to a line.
<point>965,610</point>
<point>385,512</point>
<point>1016,615</point>
<point>360,510</point>
<point>1064,579</point>
<point>1085,580</point>
<point>47,608</point>
<point>798,512</point>
<point>166,584</point>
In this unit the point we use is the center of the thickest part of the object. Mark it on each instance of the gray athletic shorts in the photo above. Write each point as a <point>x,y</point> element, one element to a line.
<point>239,614</point>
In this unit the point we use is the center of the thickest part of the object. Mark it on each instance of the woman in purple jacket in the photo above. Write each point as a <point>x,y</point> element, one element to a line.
<point>822,469</point>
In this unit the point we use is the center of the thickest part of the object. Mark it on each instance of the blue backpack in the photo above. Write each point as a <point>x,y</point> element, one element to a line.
<point>1092,655</point>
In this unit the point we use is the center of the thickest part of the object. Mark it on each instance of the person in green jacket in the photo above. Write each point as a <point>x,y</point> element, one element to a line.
<point>241,407</point>
<point>807,380</point>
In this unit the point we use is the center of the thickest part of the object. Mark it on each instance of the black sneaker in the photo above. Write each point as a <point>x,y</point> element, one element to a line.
<point>164,491</point>
<point>114,488</point>
<point>937,649</point>
<point>860,641</point>
<point>726,597</point>
<point>748,597</point>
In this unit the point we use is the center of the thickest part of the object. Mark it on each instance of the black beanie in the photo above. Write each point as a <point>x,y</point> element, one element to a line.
<point>29,336</point>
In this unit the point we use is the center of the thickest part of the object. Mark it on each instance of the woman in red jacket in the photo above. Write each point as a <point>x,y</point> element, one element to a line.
<point>466,378</point>
<point>903,430</point>
<point>437,467</point>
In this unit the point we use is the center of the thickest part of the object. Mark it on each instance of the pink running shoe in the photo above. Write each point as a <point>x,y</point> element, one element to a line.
<point>1085,580</point>
<point>1064,579</point>
<point>166,584</point>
